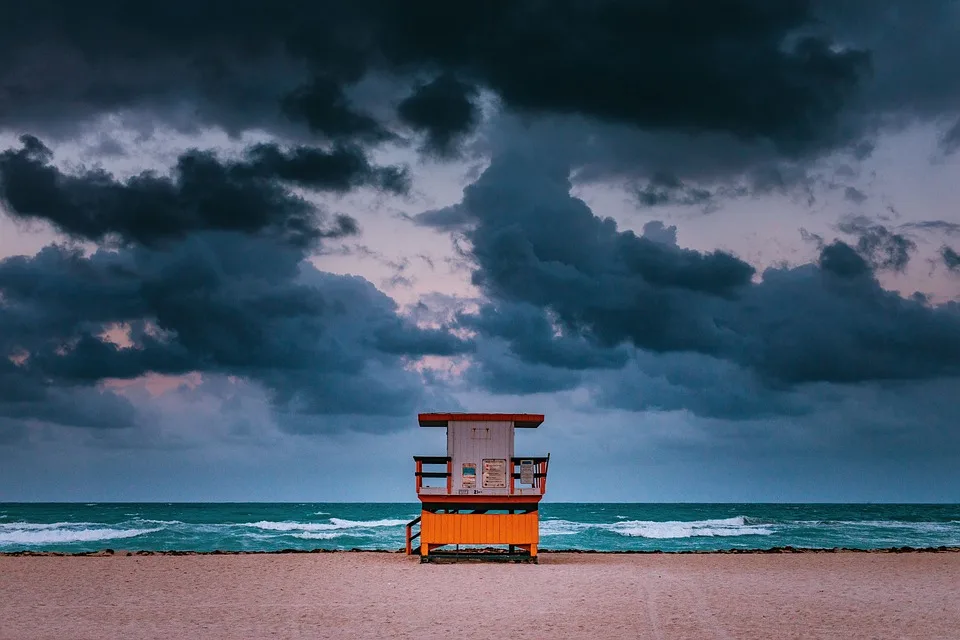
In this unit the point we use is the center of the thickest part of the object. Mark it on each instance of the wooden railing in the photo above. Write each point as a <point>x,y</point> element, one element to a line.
<point>538,476</point>
<point>434,460</point>
<point>411,536</point>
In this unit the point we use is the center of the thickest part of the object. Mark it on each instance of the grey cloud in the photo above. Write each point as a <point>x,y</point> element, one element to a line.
<point>533,339</point>
<point>950,141</point>
<point>28,397</point>
<point>883,248</point>
<point>452,218</point>
<point>534,244</point>
<point>768,82</point>
<point>854,195</point>
<point>950,258</point>
<point>911,47</point>
<point>933,226</point>
<point>496,369</point>
<point>319,343</point>
<point>658,232</point>
<point>825,324</point>
<point>665,189</point>
<point>842,260</point>
<point>744,90</point>
<point>203,193</point>
<point>445,110</point>
<point>704,386</point>
<point>324,106</point>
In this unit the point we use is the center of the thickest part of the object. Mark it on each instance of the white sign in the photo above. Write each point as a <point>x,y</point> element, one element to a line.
<point>526,472</point>
<point>494,473</point>
<point>468,477</point>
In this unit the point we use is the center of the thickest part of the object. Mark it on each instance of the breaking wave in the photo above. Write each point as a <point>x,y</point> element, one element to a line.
<point>36,526</point>
<point>737,526</point>
<point>230,527</point>
<point>309,535</point>
<point>47,535</point>
<point>335,524</point>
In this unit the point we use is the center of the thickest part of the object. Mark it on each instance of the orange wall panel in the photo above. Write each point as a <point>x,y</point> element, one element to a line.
<point>465,528</point>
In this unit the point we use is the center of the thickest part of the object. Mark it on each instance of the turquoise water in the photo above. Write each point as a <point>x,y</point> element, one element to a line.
<point>602,527</point>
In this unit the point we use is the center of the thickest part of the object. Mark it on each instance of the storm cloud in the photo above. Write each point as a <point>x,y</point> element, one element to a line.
<point>246,147</point>
<point>203,193</point>
<point>950,258</point>
<point>828,322</point>
<point>318,342</point>
<point>879,246</point>
<point>210,56</point>
<point>703,92</point>
<point>445,110</point>
<point>774,71</point>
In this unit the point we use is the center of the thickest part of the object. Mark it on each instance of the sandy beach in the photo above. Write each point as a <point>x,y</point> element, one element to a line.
<point>385,595</point>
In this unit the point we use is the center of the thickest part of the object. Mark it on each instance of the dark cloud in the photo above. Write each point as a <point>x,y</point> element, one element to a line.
<point>536,245</point>
<point>950,258</point>
<point>445,110</point>
<point>665,189</point>
<point>877,248</point>
<point>658,232</point>
<point>498,370</point>
<point>202,193</point>
<point>340,169</point>
<point>911,45</point>
<point>526,53</point>
<point>325,108</point>
<point>446,219</point>
<point>891,95</point>
<point>854,195</point>
<point>702,91</point>
<point>319,343</point>
<point>808,324</point>
<point>702,385</point>
<point>883,248</point>
<point>771,71</point>
<point>843,261</point>
<point>27,397</point>
<point>535,340</point>
<point>863,149</point>
<point>934,226</point>
<point>950,141</point>
<point>107,146</point>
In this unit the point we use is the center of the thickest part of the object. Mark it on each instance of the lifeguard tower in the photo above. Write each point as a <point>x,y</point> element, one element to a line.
<point>480,493</point>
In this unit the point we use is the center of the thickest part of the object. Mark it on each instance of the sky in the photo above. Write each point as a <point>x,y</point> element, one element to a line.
<point>716,243</point>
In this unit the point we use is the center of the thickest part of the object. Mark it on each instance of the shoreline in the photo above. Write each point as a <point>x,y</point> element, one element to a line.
<point>218,552</point>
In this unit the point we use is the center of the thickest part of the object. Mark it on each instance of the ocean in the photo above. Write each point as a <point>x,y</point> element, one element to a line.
<point>76,527</point>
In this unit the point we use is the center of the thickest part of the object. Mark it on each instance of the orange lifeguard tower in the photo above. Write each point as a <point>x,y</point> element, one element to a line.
<point>484,494</point>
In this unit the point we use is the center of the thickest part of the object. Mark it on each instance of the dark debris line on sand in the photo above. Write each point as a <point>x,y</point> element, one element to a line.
<point>787,549</point>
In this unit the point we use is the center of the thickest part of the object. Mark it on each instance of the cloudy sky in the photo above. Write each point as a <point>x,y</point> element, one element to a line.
<point>717,243</point>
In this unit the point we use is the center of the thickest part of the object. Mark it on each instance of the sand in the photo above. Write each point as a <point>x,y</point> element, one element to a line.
<point>385,595</point>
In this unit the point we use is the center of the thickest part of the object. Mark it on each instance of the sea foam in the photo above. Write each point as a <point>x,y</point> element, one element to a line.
<point>690,529</point>
<point>335,524</point>
<point>34,537</point>
<point>309,535</point>
<point>737,526</point>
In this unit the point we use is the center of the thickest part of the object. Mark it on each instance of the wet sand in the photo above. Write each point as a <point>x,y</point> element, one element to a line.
<point>387,595</point>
